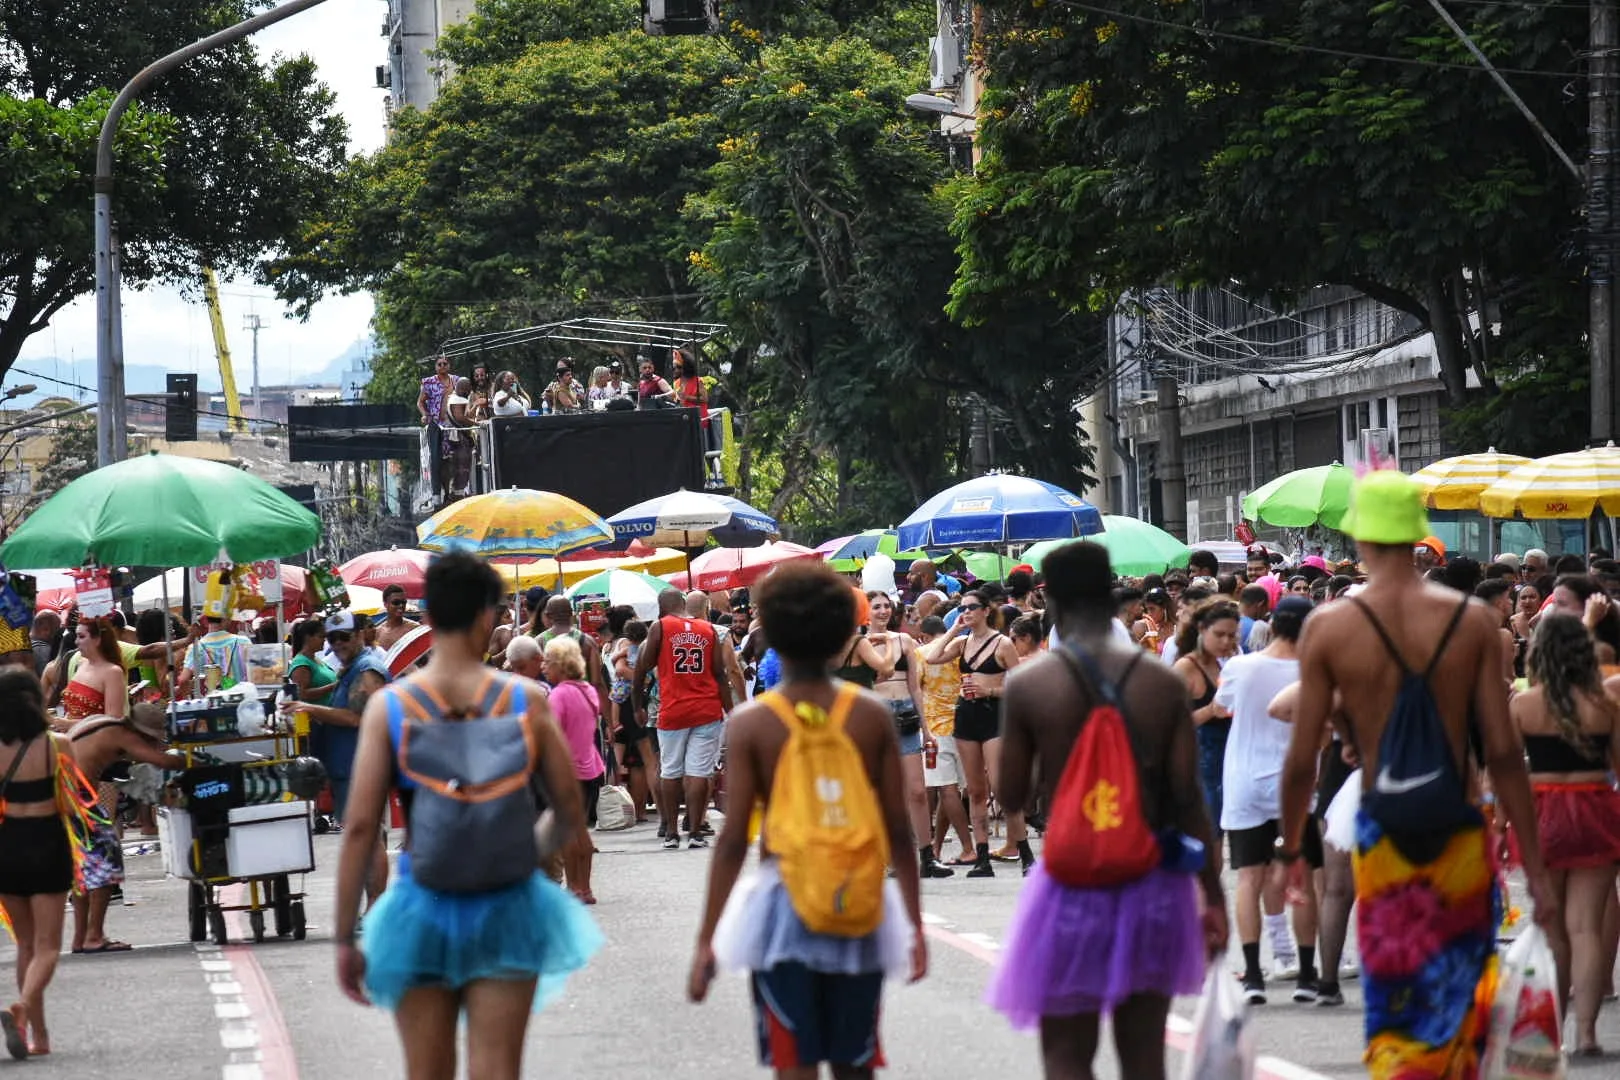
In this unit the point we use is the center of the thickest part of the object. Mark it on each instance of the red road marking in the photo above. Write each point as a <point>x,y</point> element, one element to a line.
<point>277,1060</point>
<point>1177,1029</point>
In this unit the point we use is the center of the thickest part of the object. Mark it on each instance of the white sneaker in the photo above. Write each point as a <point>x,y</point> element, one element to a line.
<point>1349,969</point>
<point>1284,961</point>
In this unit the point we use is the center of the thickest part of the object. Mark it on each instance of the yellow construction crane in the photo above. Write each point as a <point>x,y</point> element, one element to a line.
<point>222,349</point>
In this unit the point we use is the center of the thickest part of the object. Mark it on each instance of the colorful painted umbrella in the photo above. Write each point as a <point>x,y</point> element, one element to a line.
<point>396,566</point>
<point>1569,485</point>
<point>1315,496</point>
<point>639,591</point>
<point>688,519</point>
<point>830,548</point>
<point>852,553</point>
<point>161,510</point>
<point>515,521</point>
<point>521,571</point>
<point>736,568</point>
<point>1456,483</point>
<point>998,509</point>
<point>409,650</point>
<point>1135,548</point>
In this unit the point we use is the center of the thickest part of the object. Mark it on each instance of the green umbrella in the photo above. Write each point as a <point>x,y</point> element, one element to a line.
<point>162,510</point>
<point>1135,548</point>
<point>853,553</point>
<point>1304,497</point>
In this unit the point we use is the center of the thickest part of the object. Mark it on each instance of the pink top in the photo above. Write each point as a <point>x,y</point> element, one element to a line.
<point>575,706</point>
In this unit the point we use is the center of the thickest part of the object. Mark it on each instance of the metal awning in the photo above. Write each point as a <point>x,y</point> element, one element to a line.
<point>590,331</point>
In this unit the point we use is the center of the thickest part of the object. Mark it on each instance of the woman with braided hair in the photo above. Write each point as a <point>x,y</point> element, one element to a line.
<point>1571,730</point>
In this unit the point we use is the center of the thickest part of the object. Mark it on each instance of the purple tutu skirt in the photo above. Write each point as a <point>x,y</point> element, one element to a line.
<point>1072,951</point>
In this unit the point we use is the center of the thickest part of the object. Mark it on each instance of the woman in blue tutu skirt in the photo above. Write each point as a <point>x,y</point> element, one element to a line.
<point>1072,954</point>
<point>469,924</point>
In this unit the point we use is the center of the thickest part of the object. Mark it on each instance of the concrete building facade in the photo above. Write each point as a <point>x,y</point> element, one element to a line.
<point>1262,391</point>
<point>411,75</point>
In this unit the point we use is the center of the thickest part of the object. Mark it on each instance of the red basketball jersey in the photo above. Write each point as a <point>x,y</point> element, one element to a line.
<point>688,694</point>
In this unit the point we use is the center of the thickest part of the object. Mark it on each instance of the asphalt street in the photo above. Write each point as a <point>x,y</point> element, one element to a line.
<point>175,1011</point>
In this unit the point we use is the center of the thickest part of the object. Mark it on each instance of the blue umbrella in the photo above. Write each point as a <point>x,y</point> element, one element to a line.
<point>687,519</point>
<point>999,509</point>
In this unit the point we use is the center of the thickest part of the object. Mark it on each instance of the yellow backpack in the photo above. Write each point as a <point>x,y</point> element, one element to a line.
<point>823,824</point>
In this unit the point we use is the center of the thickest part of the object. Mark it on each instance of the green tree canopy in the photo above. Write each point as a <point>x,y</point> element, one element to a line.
<point>1277,146</point>
<point>222,162</point>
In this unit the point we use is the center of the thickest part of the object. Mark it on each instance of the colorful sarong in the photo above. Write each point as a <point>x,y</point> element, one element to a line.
<point>1427,912</point>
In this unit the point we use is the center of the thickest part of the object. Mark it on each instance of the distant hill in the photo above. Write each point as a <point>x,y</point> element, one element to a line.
<point>149,378</point>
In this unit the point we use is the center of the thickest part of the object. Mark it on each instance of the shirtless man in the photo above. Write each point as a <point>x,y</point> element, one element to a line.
<point>396,625</point>
<point>1044,707</point>
<point>1403,638</point>
<point>100,744</point>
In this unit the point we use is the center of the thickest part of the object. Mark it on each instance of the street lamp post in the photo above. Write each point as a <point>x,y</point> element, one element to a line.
<point>111,427</point>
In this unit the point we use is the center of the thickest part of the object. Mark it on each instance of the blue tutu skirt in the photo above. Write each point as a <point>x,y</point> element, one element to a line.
<point>759,929</point>
<point>414,937</point>
<point>1072,951</point>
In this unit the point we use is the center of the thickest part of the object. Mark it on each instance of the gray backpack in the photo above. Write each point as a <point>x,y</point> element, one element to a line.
<point>473,809</point>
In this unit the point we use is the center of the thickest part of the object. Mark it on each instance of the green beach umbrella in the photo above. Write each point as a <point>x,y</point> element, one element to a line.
<point>162,510</point>
<point>1135,548</point>
<point>1316,496</point>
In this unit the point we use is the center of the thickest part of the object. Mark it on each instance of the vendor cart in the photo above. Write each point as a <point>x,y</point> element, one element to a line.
<point>236,814</point>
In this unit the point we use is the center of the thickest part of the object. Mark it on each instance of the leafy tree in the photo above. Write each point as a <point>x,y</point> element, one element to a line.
<point>531,190</point>
<point>1280,146</point>
<point>223,161</point>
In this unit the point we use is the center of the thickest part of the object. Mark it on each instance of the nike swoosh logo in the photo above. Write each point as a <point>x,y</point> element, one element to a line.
<point>1388,785</point>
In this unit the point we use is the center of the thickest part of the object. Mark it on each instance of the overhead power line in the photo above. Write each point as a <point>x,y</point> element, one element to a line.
<point>1297,46</point>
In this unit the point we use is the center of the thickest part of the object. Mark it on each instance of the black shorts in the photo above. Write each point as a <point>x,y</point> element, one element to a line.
<point>1331,773</point>
<point>978,720</point>
<point>1258,846</point>
<point>590,789</point>
<point>35,856</point>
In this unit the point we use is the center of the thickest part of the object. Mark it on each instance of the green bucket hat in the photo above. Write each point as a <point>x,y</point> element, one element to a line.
<point>1386,507</point>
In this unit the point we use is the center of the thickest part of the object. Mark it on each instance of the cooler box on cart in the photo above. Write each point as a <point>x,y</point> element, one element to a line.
<point>273,838</point>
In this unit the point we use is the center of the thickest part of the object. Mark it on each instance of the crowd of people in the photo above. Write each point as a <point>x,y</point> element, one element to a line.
<point>1377,738</point>
<point>451,407</point>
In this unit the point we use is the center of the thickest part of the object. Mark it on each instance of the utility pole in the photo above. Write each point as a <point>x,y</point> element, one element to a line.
<point>254,324</point>
<point>1600,216</point>
<point>1172,469</point>
<point>111,423</point>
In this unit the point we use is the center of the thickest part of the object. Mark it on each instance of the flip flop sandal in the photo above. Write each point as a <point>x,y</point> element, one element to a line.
<point>16,1045</point>
<point>964,860</point>
<point>107,947</point>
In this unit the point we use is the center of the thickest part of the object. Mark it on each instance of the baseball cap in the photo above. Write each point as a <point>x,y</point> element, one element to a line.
<point>1297,606</point>
<point>342,622</point>
<point>1386,507</point>
<point>1314,561</point>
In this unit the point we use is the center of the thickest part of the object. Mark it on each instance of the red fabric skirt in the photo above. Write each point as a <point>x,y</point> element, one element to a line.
<point>1579,825</point>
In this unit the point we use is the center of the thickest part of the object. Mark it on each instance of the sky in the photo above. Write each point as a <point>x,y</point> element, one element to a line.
<point>163,327</point>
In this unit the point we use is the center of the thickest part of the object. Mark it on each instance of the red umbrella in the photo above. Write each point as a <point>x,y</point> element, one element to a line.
<point>681,579</point>
<point>735,568</point>
<point>396,566</point>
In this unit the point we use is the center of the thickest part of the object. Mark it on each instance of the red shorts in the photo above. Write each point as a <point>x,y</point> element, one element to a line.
<point>1579,825</point>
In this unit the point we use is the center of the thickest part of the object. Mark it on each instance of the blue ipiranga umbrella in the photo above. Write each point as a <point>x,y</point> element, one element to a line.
<point>1000,508</point>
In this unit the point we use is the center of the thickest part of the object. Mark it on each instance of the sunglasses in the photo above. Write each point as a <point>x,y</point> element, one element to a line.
<point>338,636</point>
<point>972,607</point>
<point>397,603</point>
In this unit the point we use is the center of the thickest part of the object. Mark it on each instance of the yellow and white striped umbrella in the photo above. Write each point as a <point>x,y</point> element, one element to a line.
<point>1455,483</point>
<point>1561,486</point>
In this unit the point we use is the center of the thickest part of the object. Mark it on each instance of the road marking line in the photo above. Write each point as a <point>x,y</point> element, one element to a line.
<point>1177,1029</point>
<point>275,1041</point>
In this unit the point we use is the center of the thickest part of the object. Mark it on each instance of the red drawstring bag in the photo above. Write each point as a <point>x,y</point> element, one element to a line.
<point>1096,835</point>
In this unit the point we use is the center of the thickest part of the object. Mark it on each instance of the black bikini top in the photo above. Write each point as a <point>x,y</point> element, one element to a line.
<point>985,656</point>
<point>1555,754</point>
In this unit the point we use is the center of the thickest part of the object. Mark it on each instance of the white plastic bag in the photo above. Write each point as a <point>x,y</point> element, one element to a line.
<point>615,809</point>
<point>1222,1046</point>
<point>1526,1028</point>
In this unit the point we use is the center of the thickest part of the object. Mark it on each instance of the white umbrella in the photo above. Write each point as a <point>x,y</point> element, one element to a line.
<point>639,591</point>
